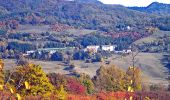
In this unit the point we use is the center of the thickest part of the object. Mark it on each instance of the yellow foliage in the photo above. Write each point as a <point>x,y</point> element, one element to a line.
<point>131,98</point>
<point>131,67</point>
<point>147,98</point>
<point>134,78</point>
<point>27,86</point>
<point>18,96</point>
<point>131,81</point>
<point>1,87</point>
<point>36,81</point>
<point>62,93</point>
<point>129,89</point>
<point>132,90</point>
<point>12,90</point>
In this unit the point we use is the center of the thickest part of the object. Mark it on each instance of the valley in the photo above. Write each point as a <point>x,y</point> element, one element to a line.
<point>84,50</point>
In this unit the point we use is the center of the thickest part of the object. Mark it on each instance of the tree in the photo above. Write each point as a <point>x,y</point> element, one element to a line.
<point>133,75</point>
<point>86,81</point>
<point>110,78</point>
<point>35,77</point>
<point>57,56</point>
<point>70,84</point>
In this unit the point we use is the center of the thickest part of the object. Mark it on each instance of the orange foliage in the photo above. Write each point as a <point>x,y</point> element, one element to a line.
<point>103,96</point>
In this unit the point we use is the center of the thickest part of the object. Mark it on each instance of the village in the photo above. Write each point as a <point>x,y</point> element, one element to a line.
<point>92,53</point>
<point>90,48</point>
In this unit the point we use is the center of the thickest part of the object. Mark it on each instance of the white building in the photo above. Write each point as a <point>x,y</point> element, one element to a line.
<point>29,52</point>
<point>128,28</point>
<point>108,47</point>
<point>92,48</point>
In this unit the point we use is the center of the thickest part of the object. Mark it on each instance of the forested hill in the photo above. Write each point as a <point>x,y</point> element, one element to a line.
<point>90,14</point>
<point>155,8</point>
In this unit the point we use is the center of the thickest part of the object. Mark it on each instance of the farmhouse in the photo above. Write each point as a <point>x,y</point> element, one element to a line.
<point>92,48</point>
<point>108,47</point>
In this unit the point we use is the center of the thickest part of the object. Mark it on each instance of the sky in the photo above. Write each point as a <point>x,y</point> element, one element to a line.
<point>141,3</point>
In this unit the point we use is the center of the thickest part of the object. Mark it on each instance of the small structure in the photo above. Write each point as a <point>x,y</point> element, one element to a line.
<point>92,48</point>
<point>125,51</point>
<point>128,28</point>
<point>128,51</point>
<point>49,50</point>
<point>108,47</point>
<point>30,52</point>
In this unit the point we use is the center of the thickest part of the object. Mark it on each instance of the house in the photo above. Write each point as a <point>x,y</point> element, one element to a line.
<point>92,48</point>
<point>108,47</point>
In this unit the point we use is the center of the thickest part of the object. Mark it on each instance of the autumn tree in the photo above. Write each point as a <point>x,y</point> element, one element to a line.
<point>70,84</point>
<point>133,75</point>
<point>31,80</point>
<point>110,78</point>
<point>86,81</point>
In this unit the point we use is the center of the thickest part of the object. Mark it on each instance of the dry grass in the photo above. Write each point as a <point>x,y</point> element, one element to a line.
<point>150,63</point>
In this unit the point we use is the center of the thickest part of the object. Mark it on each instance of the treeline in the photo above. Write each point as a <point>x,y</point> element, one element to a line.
<point>68,56</point>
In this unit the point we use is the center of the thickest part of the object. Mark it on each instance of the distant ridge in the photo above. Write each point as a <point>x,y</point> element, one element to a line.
<point>89,1</point>
<point>155,8</point>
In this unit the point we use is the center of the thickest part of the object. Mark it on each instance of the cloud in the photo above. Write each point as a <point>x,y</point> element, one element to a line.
<point>134,2</point>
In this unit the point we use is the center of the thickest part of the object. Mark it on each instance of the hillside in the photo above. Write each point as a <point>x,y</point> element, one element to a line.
<point>85,14</point>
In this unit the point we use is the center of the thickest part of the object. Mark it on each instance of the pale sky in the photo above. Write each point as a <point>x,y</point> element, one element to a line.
<point>134,2</point>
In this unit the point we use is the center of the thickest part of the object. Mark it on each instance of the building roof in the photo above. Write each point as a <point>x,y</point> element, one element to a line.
<point>49,49</point>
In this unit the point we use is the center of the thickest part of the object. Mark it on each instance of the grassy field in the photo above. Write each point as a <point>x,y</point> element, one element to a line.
<point>46,28</point>
<point>33,29</point>
<point>153,71</point>
<point>152,38</point>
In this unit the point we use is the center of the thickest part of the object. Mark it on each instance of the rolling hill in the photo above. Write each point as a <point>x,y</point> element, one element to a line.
<point>90,14</point>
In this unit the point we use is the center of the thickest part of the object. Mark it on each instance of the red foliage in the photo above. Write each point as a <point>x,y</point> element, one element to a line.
<point>60,27</point>
<point>2,24</point>
<point>115,95</point>
<point>79,97</point>
<point>70,84</point>
<point>75,87</point>
<point>6,96</point>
